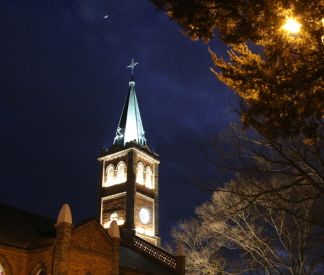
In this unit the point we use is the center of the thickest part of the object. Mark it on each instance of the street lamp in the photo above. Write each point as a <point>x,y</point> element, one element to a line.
<point>292,26</point>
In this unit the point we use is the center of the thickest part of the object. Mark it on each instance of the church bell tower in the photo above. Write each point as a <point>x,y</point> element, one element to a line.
<point>128,177</point>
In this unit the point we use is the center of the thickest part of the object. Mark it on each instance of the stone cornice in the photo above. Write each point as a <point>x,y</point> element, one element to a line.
<point>26,250</point>
<point>41,249</point>
<point>141,153</point>
<point>145,196</point>
<point>147,157</point>
<point>13,248</point>
<point>114,196</point>
<point>115,155</point>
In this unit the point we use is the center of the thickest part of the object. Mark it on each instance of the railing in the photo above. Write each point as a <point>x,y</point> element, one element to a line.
<point>155,252</point>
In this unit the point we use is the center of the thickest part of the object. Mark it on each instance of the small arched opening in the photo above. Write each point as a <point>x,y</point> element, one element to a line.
<point>110,175</point>
<point>121,175</point>
<point>148,177</point>
<point>38,269</point>
<point>140,173</point>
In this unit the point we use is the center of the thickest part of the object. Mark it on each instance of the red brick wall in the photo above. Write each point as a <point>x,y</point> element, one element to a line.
<point>16,259</point>
<point>91,235</point>
<point>111,205</point>
<point>142,202</point>
<point>83,261</point>
<point>44,256</point>
<point>91,251</point>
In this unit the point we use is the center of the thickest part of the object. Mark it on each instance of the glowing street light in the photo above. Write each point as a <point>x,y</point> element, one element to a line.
<point>292,26</point>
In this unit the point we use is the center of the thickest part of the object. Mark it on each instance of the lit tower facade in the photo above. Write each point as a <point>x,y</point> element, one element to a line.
<point>128,177</point>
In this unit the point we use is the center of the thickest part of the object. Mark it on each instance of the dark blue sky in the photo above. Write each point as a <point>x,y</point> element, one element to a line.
<point>63,85</point>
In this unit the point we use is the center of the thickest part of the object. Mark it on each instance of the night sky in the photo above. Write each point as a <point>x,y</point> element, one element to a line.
<point>64,80</point>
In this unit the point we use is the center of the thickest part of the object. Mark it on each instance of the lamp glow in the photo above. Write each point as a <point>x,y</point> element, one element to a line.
<point>144,215</point>
<point>149,233</point>
<point>140,230</point>
<point>292,26</point>
<point>119,222</point>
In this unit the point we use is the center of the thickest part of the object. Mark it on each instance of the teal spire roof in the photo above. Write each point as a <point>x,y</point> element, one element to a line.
<point>130,127</point>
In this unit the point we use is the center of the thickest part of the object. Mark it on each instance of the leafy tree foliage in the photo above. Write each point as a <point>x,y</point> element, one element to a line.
<point>238,21</point>
<point>282,91</point>
<point>282,87</point>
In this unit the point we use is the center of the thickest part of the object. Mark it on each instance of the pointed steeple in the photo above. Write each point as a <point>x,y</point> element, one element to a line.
<point>130,127</point>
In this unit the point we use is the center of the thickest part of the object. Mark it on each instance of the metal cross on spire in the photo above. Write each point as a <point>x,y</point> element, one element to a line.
<point>132,65</point>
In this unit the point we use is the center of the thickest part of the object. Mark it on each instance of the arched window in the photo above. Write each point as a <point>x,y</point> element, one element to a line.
<point>110,175</point>
<point>5,268</point>
<point>148,177</point>
<point>121,175</point>
<point>140,173</point>
<point>38,269</point>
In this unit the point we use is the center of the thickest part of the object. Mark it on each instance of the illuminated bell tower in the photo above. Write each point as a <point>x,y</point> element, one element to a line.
<point>128,177</point>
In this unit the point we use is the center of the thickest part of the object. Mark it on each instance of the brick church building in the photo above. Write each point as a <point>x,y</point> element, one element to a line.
<point>122,239</point>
